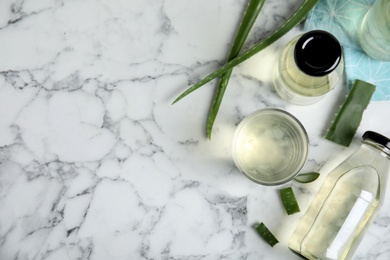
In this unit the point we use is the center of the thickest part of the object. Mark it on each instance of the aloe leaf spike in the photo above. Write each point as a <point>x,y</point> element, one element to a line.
<point>350,114</point>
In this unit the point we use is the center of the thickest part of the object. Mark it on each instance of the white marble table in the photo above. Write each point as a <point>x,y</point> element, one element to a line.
<point>95,163</point>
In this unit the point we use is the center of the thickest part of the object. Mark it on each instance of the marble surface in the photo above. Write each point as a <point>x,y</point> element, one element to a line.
<point>95,162</point>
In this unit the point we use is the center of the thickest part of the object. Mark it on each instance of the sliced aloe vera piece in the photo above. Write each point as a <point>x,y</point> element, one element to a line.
<point>349,116</point>
<point>307,177</point>
<point>289,201</point>
<point>266,234</point>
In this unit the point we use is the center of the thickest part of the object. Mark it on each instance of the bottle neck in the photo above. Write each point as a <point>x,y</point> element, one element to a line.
<point>384,151</point>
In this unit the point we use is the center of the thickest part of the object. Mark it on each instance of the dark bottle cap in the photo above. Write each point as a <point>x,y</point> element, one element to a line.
<point>317,53</point>
<point>378,138</point>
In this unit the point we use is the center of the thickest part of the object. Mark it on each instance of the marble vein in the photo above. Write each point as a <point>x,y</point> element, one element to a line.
<point>95,162</point>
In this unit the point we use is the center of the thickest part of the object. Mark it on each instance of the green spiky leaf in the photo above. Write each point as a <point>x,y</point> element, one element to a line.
<point>250,16</point>
<point>299,14</point>
<point>349,116</point>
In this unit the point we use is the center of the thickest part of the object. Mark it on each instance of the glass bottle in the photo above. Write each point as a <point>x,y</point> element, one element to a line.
<point>310,66</point>
<point>346,203</point>
<point>374,33</point>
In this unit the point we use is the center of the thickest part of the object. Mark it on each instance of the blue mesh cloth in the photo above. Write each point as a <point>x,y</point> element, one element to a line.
<point>342,18</point>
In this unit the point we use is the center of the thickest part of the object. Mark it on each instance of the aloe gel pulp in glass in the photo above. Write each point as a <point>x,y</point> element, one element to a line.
<point>346,203</point>
<point>270,146</point>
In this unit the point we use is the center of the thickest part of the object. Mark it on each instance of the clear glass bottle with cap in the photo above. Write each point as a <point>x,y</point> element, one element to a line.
<point>346,203</point>
<point>374,33</point>
<point>310,66</point>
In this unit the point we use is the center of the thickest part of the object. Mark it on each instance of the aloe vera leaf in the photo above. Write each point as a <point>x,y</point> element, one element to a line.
<point>307,177</point>
<point>289,201</point>
<point>349,116</point>
<point>250,16</point>
<point>299,14</point>
<point>266,234</point>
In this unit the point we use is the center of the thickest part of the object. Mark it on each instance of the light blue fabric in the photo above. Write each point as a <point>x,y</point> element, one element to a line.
<point>342,18</point>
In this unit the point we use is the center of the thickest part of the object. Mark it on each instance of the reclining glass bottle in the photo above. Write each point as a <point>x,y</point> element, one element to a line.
<point>346,203</point>
<point>310,66</point>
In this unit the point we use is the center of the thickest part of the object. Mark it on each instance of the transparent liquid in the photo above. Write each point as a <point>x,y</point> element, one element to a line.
<point>270,150</point>
<point>297,87</point>
<point>374,34</point>
<point>332,226</point>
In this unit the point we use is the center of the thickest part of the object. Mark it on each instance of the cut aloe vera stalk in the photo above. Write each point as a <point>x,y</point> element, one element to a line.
<point>266,234</point>
<point>250,16</point>
<point>289,201</point>
<point>298,16</point>
<point>307,177</point>
<point>349,116</point>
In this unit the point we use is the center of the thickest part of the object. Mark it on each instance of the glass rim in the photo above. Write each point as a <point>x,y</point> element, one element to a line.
<point>294,122</point>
